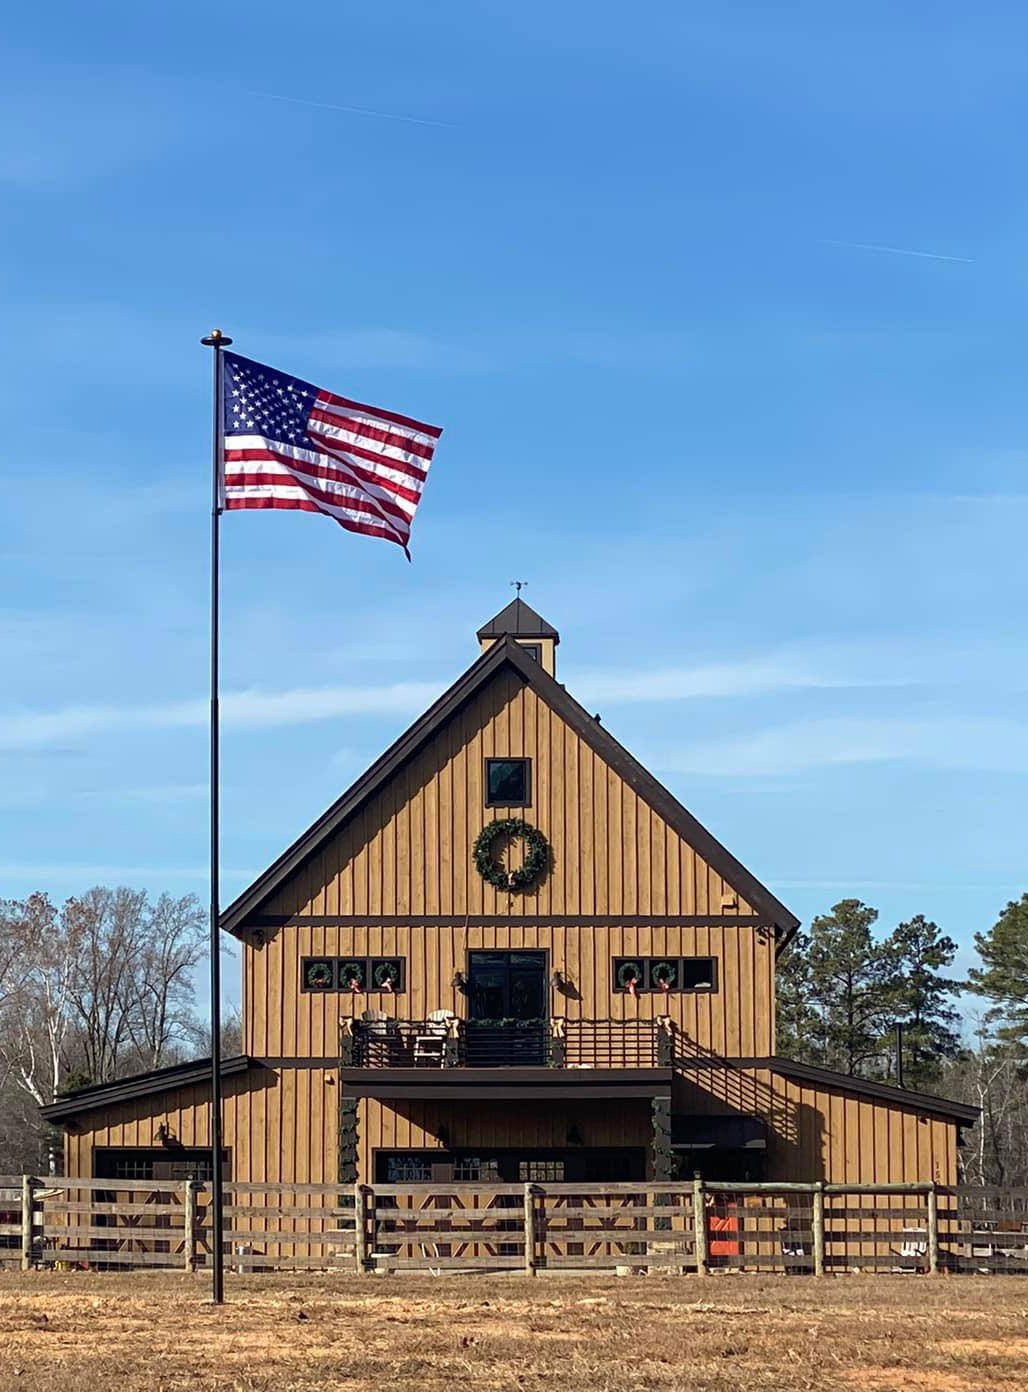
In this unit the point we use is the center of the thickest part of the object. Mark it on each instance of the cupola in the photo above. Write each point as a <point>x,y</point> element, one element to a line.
<point>529,629</point>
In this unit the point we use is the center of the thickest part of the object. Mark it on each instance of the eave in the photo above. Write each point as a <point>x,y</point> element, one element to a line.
<point>507,1084</point>
<point>142,1085</point>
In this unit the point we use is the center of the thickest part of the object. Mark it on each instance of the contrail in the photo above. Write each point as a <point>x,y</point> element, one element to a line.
<point>901,251</point>
<point>352,110</point>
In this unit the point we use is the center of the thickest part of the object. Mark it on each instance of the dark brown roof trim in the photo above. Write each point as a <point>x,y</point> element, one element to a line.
<point>505,920</point>
<point>521,620</point>
<point>899,1097</point>
<point>506,652</point>
<point>142,1085</point>
<point>507,1084</point>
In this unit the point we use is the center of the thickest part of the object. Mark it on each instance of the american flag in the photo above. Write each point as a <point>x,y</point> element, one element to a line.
<point>288,444</point>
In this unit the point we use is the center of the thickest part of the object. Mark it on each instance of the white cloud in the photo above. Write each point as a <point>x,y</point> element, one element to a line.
<point>240,710</point>
<point>948,742</point>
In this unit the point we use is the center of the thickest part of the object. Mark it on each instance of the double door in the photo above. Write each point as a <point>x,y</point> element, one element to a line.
<point>507,1009</point>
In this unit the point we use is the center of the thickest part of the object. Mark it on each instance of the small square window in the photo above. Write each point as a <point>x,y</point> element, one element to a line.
<point>532,650</point>
<point>507,783</point>
<point>699,974</point>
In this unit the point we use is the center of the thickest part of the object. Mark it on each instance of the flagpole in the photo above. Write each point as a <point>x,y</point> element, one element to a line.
<point>216,340</point>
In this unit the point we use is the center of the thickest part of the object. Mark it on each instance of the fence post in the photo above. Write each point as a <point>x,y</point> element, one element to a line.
<point>189,1245</point>
<point>933,1231</point>
<point>360,1228</point>
<point>819,1228</point>
<point>28,1207</point>
<point>529,1230</point>
<point>699,1222</point>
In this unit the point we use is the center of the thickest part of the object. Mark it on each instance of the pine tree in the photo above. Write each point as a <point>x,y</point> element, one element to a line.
<point>795,1015</point>
<point>855,989</point>
<point>930,1022</point>
<point>1003,976</point>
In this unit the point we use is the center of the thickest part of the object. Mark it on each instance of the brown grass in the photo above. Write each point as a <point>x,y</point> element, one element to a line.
<point>80,1332</point>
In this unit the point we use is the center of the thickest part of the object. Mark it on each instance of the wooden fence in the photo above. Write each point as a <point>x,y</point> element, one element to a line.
<point>696,1227</point>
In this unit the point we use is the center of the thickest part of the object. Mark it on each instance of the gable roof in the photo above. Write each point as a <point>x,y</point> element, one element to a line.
<point>142,1085</point>
<point>506,653</point>
<point>520,619</point>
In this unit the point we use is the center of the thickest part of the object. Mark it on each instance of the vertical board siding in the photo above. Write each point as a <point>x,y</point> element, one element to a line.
<point>409,852</point>
<point>816,1133</point>
<point>281,1125</point>
<point>731,1021</point>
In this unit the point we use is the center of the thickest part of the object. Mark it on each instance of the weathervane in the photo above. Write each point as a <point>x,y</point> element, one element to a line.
<point>519,586</point>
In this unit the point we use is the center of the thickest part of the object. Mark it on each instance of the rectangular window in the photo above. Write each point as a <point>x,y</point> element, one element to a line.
<point>532,650</point>
<point>699,973</point>
<point>508,783</point>
<point>663,975</point>
<point>384,976</point>
<point>541,1171</point>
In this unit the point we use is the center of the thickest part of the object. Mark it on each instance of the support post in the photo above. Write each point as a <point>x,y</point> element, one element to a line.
<point>933,1231</point>
<point>819,1228</point>
<point>699,1220</point>
<point>28,1209</point>
<point>529,1230</point>
<point>189,1245</point>
<point>360,1228</point>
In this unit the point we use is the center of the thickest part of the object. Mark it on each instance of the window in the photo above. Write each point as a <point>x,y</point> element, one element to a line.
<point>408,1169</point>
<point>532,650</point>
<point>176,1162</point>
<point>699,973</point>
<point>476,1169</point>
<point>508,783</point>
<point>663,975</point>
<point>383,975</point>
<point>541,1171</point>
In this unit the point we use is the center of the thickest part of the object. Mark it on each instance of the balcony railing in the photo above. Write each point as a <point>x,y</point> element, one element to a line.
<point>452,1043</point>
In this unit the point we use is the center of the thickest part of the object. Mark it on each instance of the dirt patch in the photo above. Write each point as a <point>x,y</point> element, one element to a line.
<point>89,1332</point>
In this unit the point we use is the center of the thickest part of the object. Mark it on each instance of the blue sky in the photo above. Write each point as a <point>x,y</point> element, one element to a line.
<point>764,475</point>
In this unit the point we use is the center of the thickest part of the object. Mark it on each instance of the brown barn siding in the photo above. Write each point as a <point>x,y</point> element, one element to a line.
<point>282,1125</point>
<point>409,850</point>
<point>414,1126</point>
<point>831,1135</point>
<point>732,1021</point>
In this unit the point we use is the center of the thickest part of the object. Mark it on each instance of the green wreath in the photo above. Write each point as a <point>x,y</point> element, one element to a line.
<point>630,971</point>
<point>537,853</point>
<point>319,975</point>
<point>352,971</point>
<point>387,971</point>
<point>666,972</point>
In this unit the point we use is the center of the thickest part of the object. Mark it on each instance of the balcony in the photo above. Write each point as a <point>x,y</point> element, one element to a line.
<point>448,1057</point>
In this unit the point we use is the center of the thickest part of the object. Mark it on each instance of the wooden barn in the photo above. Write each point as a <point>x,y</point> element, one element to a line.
<point>507,953</point>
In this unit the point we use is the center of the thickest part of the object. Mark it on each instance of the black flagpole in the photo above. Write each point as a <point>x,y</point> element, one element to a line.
<point>217,341</point>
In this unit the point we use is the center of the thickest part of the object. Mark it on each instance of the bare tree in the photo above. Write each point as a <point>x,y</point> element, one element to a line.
<point>159,990</point>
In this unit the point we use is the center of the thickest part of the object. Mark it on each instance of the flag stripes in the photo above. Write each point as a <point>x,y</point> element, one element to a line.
<point>288,444</point>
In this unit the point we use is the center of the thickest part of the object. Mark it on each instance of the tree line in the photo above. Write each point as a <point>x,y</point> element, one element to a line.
<point>91,990</point>
<point>842,989</point>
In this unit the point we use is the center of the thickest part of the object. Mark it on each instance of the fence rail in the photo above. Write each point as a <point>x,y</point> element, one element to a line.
<point>696,1227</point>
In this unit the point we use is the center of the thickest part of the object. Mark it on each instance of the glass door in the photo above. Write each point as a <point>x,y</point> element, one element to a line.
<point>507,1009</point>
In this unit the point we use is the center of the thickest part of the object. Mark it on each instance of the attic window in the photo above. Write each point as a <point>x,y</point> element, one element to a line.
<point>508,782</point>
<point>532,650</point>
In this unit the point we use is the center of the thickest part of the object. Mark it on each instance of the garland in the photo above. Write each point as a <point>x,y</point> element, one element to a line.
<point>537,853</point>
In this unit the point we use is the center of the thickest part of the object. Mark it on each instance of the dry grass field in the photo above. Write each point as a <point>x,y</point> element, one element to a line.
<point>80,1332</point>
